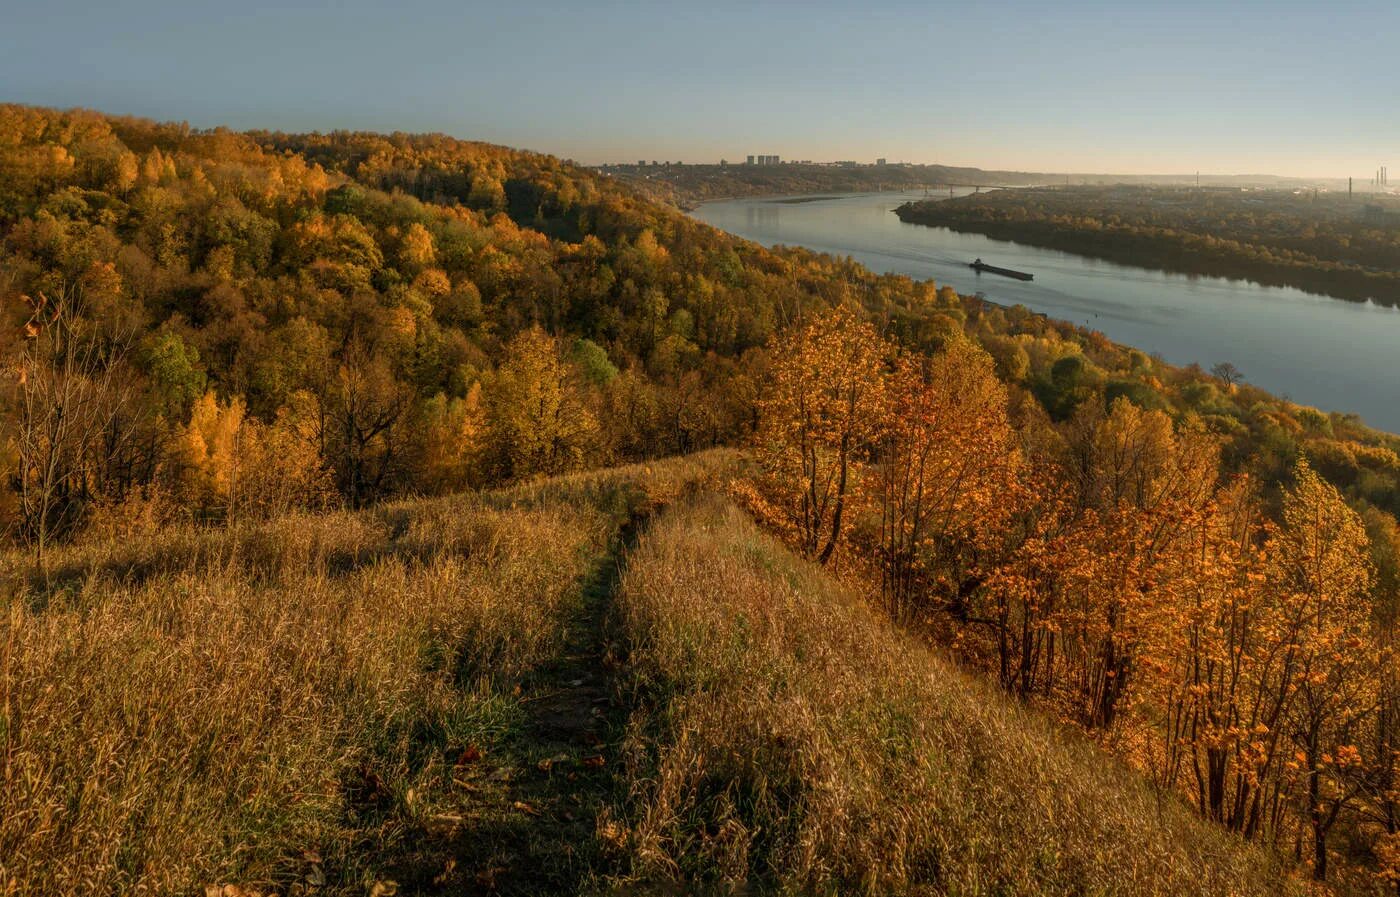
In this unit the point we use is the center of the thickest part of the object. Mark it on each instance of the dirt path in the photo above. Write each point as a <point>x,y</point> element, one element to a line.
<point>528,817</point>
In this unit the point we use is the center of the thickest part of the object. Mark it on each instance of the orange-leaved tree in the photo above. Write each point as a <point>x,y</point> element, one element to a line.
<point>947,478</point>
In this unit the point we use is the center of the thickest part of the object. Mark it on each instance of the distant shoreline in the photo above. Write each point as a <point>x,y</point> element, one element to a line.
<point>1178,255</point>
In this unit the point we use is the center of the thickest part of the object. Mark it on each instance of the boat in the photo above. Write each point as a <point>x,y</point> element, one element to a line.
<point>979,266</point>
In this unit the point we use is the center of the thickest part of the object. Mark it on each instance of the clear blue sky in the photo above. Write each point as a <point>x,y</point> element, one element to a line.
<point>1275,87</point>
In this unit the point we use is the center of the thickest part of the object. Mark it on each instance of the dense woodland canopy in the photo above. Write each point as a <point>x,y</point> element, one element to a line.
<point>1327,243</point>
<point>221,325</point>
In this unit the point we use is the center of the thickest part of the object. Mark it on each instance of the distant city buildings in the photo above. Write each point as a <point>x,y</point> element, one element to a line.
<point>767,160</point>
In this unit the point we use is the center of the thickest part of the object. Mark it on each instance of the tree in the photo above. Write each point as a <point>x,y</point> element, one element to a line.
<point>278,465</point>
<point>1227,373</point>
<point>1140,484</point>
<point>822,411</point>
<point>450,442</point>
<point>177,378</point>
<point>363,422</point>
<point>417,251</point>
<point>207,448</point>
<point>947,475</point>
<point>1384,757</point>
<point>1320,565</point>
<point>538,417</point>
<point>1220,719</point>
<point>72,393</point>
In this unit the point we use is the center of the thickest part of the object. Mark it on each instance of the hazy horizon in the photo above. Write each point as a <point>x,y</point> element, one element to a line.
<point>1271,89</point>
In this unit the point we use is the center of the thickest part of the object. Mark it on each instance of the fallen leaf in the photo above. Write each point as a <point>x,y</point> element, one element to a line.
<point>386,888</point>
<point>441,878</point>
<point>470,755</point>
<point>594,762</point>
<point>528,809</point>
<point>486,878</point>
<point>613,834</point>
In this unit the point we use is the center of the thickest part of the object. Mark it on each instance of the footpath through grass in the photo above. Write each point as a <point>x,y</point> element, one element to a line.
<point>603,683</point>
<point>409,699</point>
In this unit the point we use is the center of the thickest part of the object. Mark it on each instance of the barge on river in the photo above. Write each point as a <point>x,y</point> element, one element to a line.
<point>979,266</point>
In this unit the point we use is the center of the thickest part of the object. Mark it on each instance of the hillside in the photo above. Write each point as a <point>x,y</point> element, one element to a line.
<point>462,696</point>
<point>350,367</point>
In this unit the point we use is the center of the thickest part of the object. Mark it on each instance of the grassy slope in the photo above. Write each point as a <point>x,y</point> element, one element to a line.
<point>328,700</point>
<point>461,695</point>
<point>788,736</point>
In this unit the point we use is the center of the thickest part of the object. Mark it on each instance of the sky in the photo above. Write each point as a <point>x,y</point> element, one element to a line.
<point>1309,89</point>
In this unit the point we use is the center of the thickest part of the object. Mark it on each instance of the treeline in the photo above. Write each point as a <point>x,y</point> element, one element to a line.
<point>1105,567</point>
<point>1327,247</point>
<point>686,185</point>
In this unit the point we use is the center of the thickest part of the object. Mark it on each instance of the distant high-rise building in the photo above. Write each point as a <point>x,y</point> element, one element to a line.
<point>750,162</point>
<point>880,161</point>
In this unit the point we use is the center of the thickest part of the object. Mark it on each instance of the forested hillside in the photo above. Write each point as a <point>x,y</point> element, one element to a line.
<point>212,329</point>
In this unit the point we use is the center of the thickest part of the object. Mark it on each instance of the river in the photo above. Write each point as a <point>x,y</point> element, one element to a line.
<point>1329,353</point>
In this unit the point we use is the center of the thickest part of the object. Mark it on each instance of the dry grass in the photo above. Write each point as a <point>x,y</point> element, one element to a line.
<point>790,740</point>
<point>278,705</point>
<point>282,706</point>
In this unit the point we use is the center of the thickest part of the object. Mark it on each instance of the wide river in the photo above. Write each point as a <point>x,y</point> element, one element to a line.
<point>1332,354</point>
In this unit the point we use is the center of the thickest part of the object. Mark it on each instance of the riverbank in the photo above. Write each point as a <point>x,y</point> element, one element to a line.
<point>1315,350</point>
<point>1045,219</point>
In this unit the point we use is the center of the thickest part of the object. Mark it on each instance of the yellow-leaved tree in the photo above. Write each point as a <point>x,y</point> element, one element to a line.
<point>540,422</point>
<point>208,452</point>
<point>1320,566</point>
<point>821,414</point>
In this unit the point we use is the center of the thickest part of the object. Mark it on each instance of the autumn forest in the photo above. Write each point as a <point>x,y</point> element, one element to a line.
<point>406,425</point>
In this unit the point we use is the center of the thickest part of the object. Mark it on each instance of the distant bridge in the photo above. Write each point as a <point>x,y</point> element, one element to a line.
<point>929,188</point>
